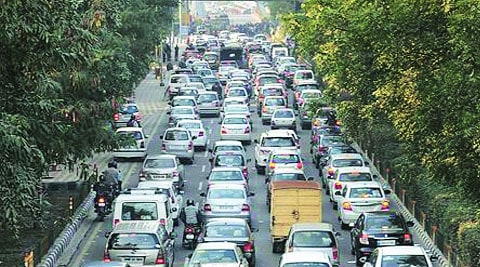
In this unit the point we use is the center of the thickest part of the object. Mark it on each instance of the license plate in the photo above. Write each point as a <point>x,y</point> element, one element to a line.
<point>225,208</point>
<point>189,236</point>
<point>176,147</point>
<point>133,259</point>
<point>101,204</point>
<point>386,242</point>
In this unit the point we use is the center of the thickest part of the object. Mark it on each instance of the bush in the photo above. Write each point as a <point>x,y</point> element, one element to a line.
<point>468,243</point>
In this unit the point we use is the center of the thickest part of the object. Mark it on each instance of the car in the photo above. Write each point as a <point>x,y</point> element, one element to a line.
<point>140,243</point>
<point>208,103</point>
<point>106,264</point>
<point>176,82</point>
<point>269,105</point>
<point>225,254</point>
<point>357,198</point>
<point>238,92</point>
<point>163,167</point>
<point>302,86</point>
<point>233,101</point>
<point>271,89</point>
<point>269,141</point>
<point>265,79</point>
<point>236,127</point>
<point>314,237</point>
<point>231,159</point>
<point>283,118</point>
<point>346,175</point>
<point>283,159</point>
<point>204,72</point>
<point>184,101</point>
<point>188,91</point>
<point>125,113</point>
<point>320,146</point>
<point>399,255</point>
<point>197,130</point>
<point>179,142</point>
<point>295,259</point>
<point>378,229</point>
<point>234,84</point>
<point>302,75</point>
<point>199,85</point>
<point>317,132</point>
<point>133,143</point>
<point>226,146</point>
<point>236,109</point>
<point>305,95</point>
<point>226,200</point>
<point>181,113</point>
<point>345,149</point>
<point>227,175</point>
<point>339,161</point>
<point>209,81</point>
<point>231,230</point>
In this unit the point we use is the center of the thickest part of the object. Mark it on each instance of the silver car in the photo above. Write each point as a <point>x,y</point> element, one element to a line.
<point>226,200</point>
<point>208,103</point>
<point>196,129</point>
<point>236,127</point>
<point>227,175</point>
<point>181,113</point>
<point>163,167</point>
<point>283,118</point>
<point>179,142</point>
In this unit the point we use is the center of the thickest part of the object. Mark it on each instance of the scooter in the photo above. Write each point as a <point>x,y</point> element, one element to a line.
<point>190,236</point>
<point>101,204</point>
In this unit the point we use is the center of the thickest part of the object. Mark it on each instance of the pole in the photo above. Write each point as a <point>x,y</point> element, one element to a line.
<point>179,19</point>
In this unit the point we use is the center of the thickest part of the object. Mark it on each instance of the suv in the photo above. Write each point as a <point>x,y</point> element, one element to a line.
<point>377,229</point>
<point>314,237</point>
<point>269,141</point>
<point>163,167</point>
<point>179,142</point>
<point>140,243</point>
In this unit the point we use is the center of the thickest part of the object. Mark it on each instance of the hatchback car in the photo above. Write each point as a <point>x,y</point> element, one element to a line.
<point>140,243</point>
<point>283,159</point>
<point>225,254</point>
<point>334,162</point>
<point>184,101</point>
<point>227,175</point>
<point>236,109</point>
<point>345,176</point>
<point>188,91</point>
<point>230,230</point>
<point>227,145</point>
<point>378,229</point>
<point>397,256</point>
<point>269,105</point>
<point>238,92</point>
<point>231,159</point>
<point>226,200</point>
<point>322,144</point>
<point>357,198</point>
<point>163,167</point>
<point>283,118</point>
<point>314,237</point>
<point>236,127</point>
<point>179,142</point>
<point>270,141</point>
<point>125,113</point>
<point>208,103</point>
<point>133,143</point>
<point>197,130</point>
<point>181,113</point>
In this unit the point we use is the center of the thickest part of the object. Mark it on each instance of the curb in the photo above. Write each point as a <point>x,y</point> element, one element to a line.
<point>419,231</point>
<point>62,241</point>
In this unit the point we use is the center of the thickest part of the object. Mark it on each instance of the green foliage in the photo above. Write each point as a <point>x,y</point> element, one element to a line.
<point>468,235</point>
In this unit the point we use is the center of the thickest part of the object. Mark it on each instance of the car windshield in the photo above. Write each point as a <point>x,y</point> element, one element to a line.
<point>355,177</point>
<point>187,92</point>
<point>342,149</point>
<point>306,264</point>
<point>229,231</point>
<point>235,84</point>
<point>274,102</point>
<point>214,256</point>
<point>226,176</point>
<point>347,163</point>
<point>178,79</point>
<point>289,177</point>
<point>384,222</point>
<point>139,211</point>
<point>366,192</point>
<point>311,95</point>
<point>228,148</point>
<point>176,135</point>
<point>332,140</point>
<point>229,160</point>
<point>278,142</point>
<point>235,121</point>
<point>285,158</point>
<point>302,87</point>
<point>159,163</point>
<point>283,114</point>
<point>125,136</point>
<point>133,241</point>
<point>404,260</point>
<point>237,92</point>
<point>195,79</point>
<point>313,239</point>
<point>305,75</point>
<point>268,79</point>
<point>190,125</point>
<point>181,111</point>
<point>129,109</point>
<point>206,98</point>
<point>226,193</point>
<point>272,92</point>
<point>209,80</point>
<point>240,109</point>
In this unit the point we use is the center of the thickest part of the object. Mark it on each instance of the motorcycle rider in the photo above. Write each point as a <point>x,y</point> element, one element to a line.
<point>331,118</point>
<point>133,122</point>
<point>190,216</point>
<point>217,87</point>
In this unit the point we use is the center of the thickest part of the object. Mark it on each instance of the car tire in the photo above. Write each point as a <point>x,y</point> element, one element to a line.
<point>357,259</point>
<point>344,226</point>
<point>176,222</point>
<point>277,247</point>
<point>334,204</point>
<point>252,261</point>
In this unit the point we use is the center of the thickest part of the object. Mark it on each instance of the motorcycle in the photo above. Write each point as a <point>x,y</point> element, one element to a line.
<point>101,205</point>
<point>190,236</point>
<point>103,199</point>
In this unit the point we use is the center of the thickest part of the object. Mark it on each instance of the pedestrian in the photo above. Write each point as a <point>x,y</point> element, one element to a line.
<point>176,52</point>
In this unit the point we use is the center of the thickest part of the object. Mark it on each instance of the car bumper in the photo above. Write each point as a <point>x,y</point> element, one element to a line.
<point>180,154</point>
<point>209,111</point>
<point>210,216</point>
<point>240,137</point>
<point>200,141</point>
<point>138,153</point>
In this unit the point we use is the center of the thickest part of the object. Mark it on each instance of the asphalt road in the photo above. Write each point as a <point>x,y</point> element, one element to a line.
<point>151,98</point>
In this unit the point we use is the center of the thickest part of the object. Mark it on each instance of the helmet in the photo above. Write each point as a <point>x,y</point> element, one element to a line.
<point>190,202</point>
<point>112,164</point>
<point>133,117</point>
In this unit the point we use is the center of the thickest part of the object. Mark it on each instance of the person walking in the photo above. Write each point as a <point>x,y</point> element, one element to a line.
<point>176,52</point>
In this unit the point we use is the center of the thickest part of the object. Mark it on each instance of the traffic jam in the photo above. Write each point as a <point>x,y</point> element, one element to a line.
<point>279,186</point>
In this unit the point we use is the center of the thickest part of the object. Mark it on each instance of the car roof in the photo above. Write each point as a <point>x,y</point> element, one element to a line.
<point>311,91</point>
<point>402,250</point>
<point>164,184</point>
<point>363,184</point>
<point>238,105</point>
<point>284,151</point>
<point>182,107</point>
<point>283,109</point>
<point>161,156</point>
<point>226,221</point>
<point>353,169</point>
<point>234,116</point>
<point>184,96</point>
<point>136,226</point>
<point>305,82</point>
<point>177,129</point>
<point>302,256</point>
<point>227,186</point>
<point>129,129</point>
<point>312,226</point>
<point>216,245</point>
<point>273,96</point>
<point>191,121</point>
<point>347,156</point>
<point>207,93</point>
<point>225,168</point>
<point>275,133</point>
<point>233,152</point>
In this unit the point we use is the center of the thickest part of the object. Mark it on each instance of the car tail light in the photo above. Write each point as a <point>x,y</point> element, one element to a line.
<point>297,95</point>
<point>385,205</point>
<point>338,186</point>
<point>245,171</point>
<point>245,207</point>
<point>201,133</point>
<point>224,130</point>
<point>164,147</point>
<point>116,221</point>
<point>190,145</point>
<point>175,174</point>
<point>207,207</point>
<point>116,117</point>
<point>347,206</point>
<point>142,144</point>
<point>299,165</point>
<point>162,221</point>
<point>279,80</point>
<point>247,130</point>
<point>363,239</point>
<point>142,174</point>
<point>330,171</point>
<point>189,230</point>
<point>106,256</point>
<point>335,253</point>
<point>101,200</point>
<point>264,109</point>
<point>271,165</point>
<point>407,238</point>
<point>160,259</point>
<point>248,247</point>
<point>305,114</point>
<point>321,148</point>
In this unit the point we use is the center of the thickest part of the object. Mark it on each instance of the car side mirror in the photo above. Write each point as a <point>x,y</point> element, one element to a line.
<point>366,163</point>
<point>375,176</point>
<point>329,177</point>
<point>264,160</point>
<point>107,234</point>
<point>337,234</point>
<point>255,141</point>
<point>251,194</point>
<point>387,191</point>
<point>434,258</point>
<point>203,194</point>
<point>351,225</point>
<point>210,150</point>
<point>338,193</point>
<point>267,180</point>
<point>169,112</point>
<point>311,178</point>
<point>169,103</point>
<point>161,136</point>
<point>210,159</point>
<point>181,192</point>
<point>410,224</point>
<point>146,136</point>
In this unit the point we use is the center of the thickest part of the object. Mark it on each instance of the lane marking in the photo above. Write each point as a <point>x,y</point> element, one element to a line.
<point>203,168</point>
<point>200,185</point>
<point>206,151</point>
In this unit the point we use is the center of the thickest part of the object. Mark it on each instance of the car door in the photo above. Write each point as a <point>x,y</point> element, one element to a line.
<point>356,230</point>
<point>168,243</point>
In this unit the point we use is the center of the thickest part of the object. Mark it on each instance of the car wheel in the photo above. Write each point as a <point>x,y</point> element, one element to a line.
<point>344,226</point>
<point>317,165</point>
<point>352,249</point>
<point>327,192</point>
<point>358,258</point>
<point>175,222</point>
<point>324,186</point>
<point>335,204</point>
<point>277,247</point>
<point>252,261</point>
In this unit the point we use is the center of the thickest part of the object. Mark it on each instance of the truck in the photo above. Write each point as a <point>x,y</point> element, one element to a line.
<point>292,202</point>
<point>233,52</point>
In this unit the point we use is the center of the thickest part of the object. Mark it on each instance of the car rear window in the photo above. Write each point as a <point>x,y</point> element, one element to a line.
<point>347,163</point>
<point>226,193</point>
<point>206,98</point>
<point>226,231</point>
<point>355,177</point>
<point>183,102</point>
<point>125,136</point>
<point>313,239</point>
<point>235,121</point>
<point>332,140</point>
<point>212,256</point>
<point>129,109</point>
<point>176,136</point>
<point>229,160</point>
<point>139,211</point>
<point>226,176</point>
<point>274,102</point>
<point>366,192</point>
<point>182,111</point>
<point>285,158</point>
<point>159,163</point>
<point>404,260</point>
<point>306,264</point>
<point>272,92</point>
<point>133,241</point>
<point>283,114</point>
<point>265,80</point>
<point>236,109</point>
<point>178,79</point>
<point>228,148</point>
<point>305,75</point>
<point>189,125</point>
<point>278,142</point>
<point>236,92</point>
<point>387,222</point>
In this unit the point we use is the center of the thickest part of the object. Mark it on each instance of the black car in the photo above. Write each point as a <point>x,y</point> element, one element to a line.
<point>377,229</point>
<point>230,230</point>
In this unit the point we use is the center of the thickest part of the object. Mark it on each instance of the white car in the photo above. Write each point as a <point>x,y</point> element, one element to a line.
<point>227,145</point>
<point>236,109</point>
<point>199,85</point>
<point>399,255</point>
<point>179,142</point>
<point>227,175</point>
<point>196,129</point>
<point>238,92</point>
<point>360,197</point>
<point>345,176</point>
<point>208,103</point>
<point>269,141</point>
<point>303,258</point>
<point>283,118</point>
<point>181,113</point>
<point>236,127</point>
<point>233,101</point>
<point>224,254</point>
<point>336,161</point>
<point>133,143</point>
<point>283,159</point>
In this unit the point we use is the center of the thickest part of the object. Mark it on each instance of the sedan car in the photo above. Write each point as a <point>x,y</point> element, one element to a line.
<point>181,113</point>
<point>231,159</point>
<point>304,259</point>
<point>238,92</point>
<point>357,198</point>
<point>334,162</point>
<point>230,230</point>
<point>179,142</point>
<point>125,113</point>
<point>227,145</point>
<point>163,167</point>
<point>208,103</point>
<point>132,143</point>
<point>196,129</point>
<point>283,159</point>
<point>269,105</point>
<point>378,229</point>
<point>227,175</point>
<point>236,127</point>
<point>225,254</point>
<point>399,256</point>
<point>322,144</point>
<point>226,200</point>
<point>283,118</point>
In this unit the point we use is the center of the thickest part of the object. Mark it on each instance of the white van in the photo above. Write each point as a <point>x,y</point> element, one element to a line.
<point>176,82</point>
<point>143,205</point>
<point>133,143</point>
